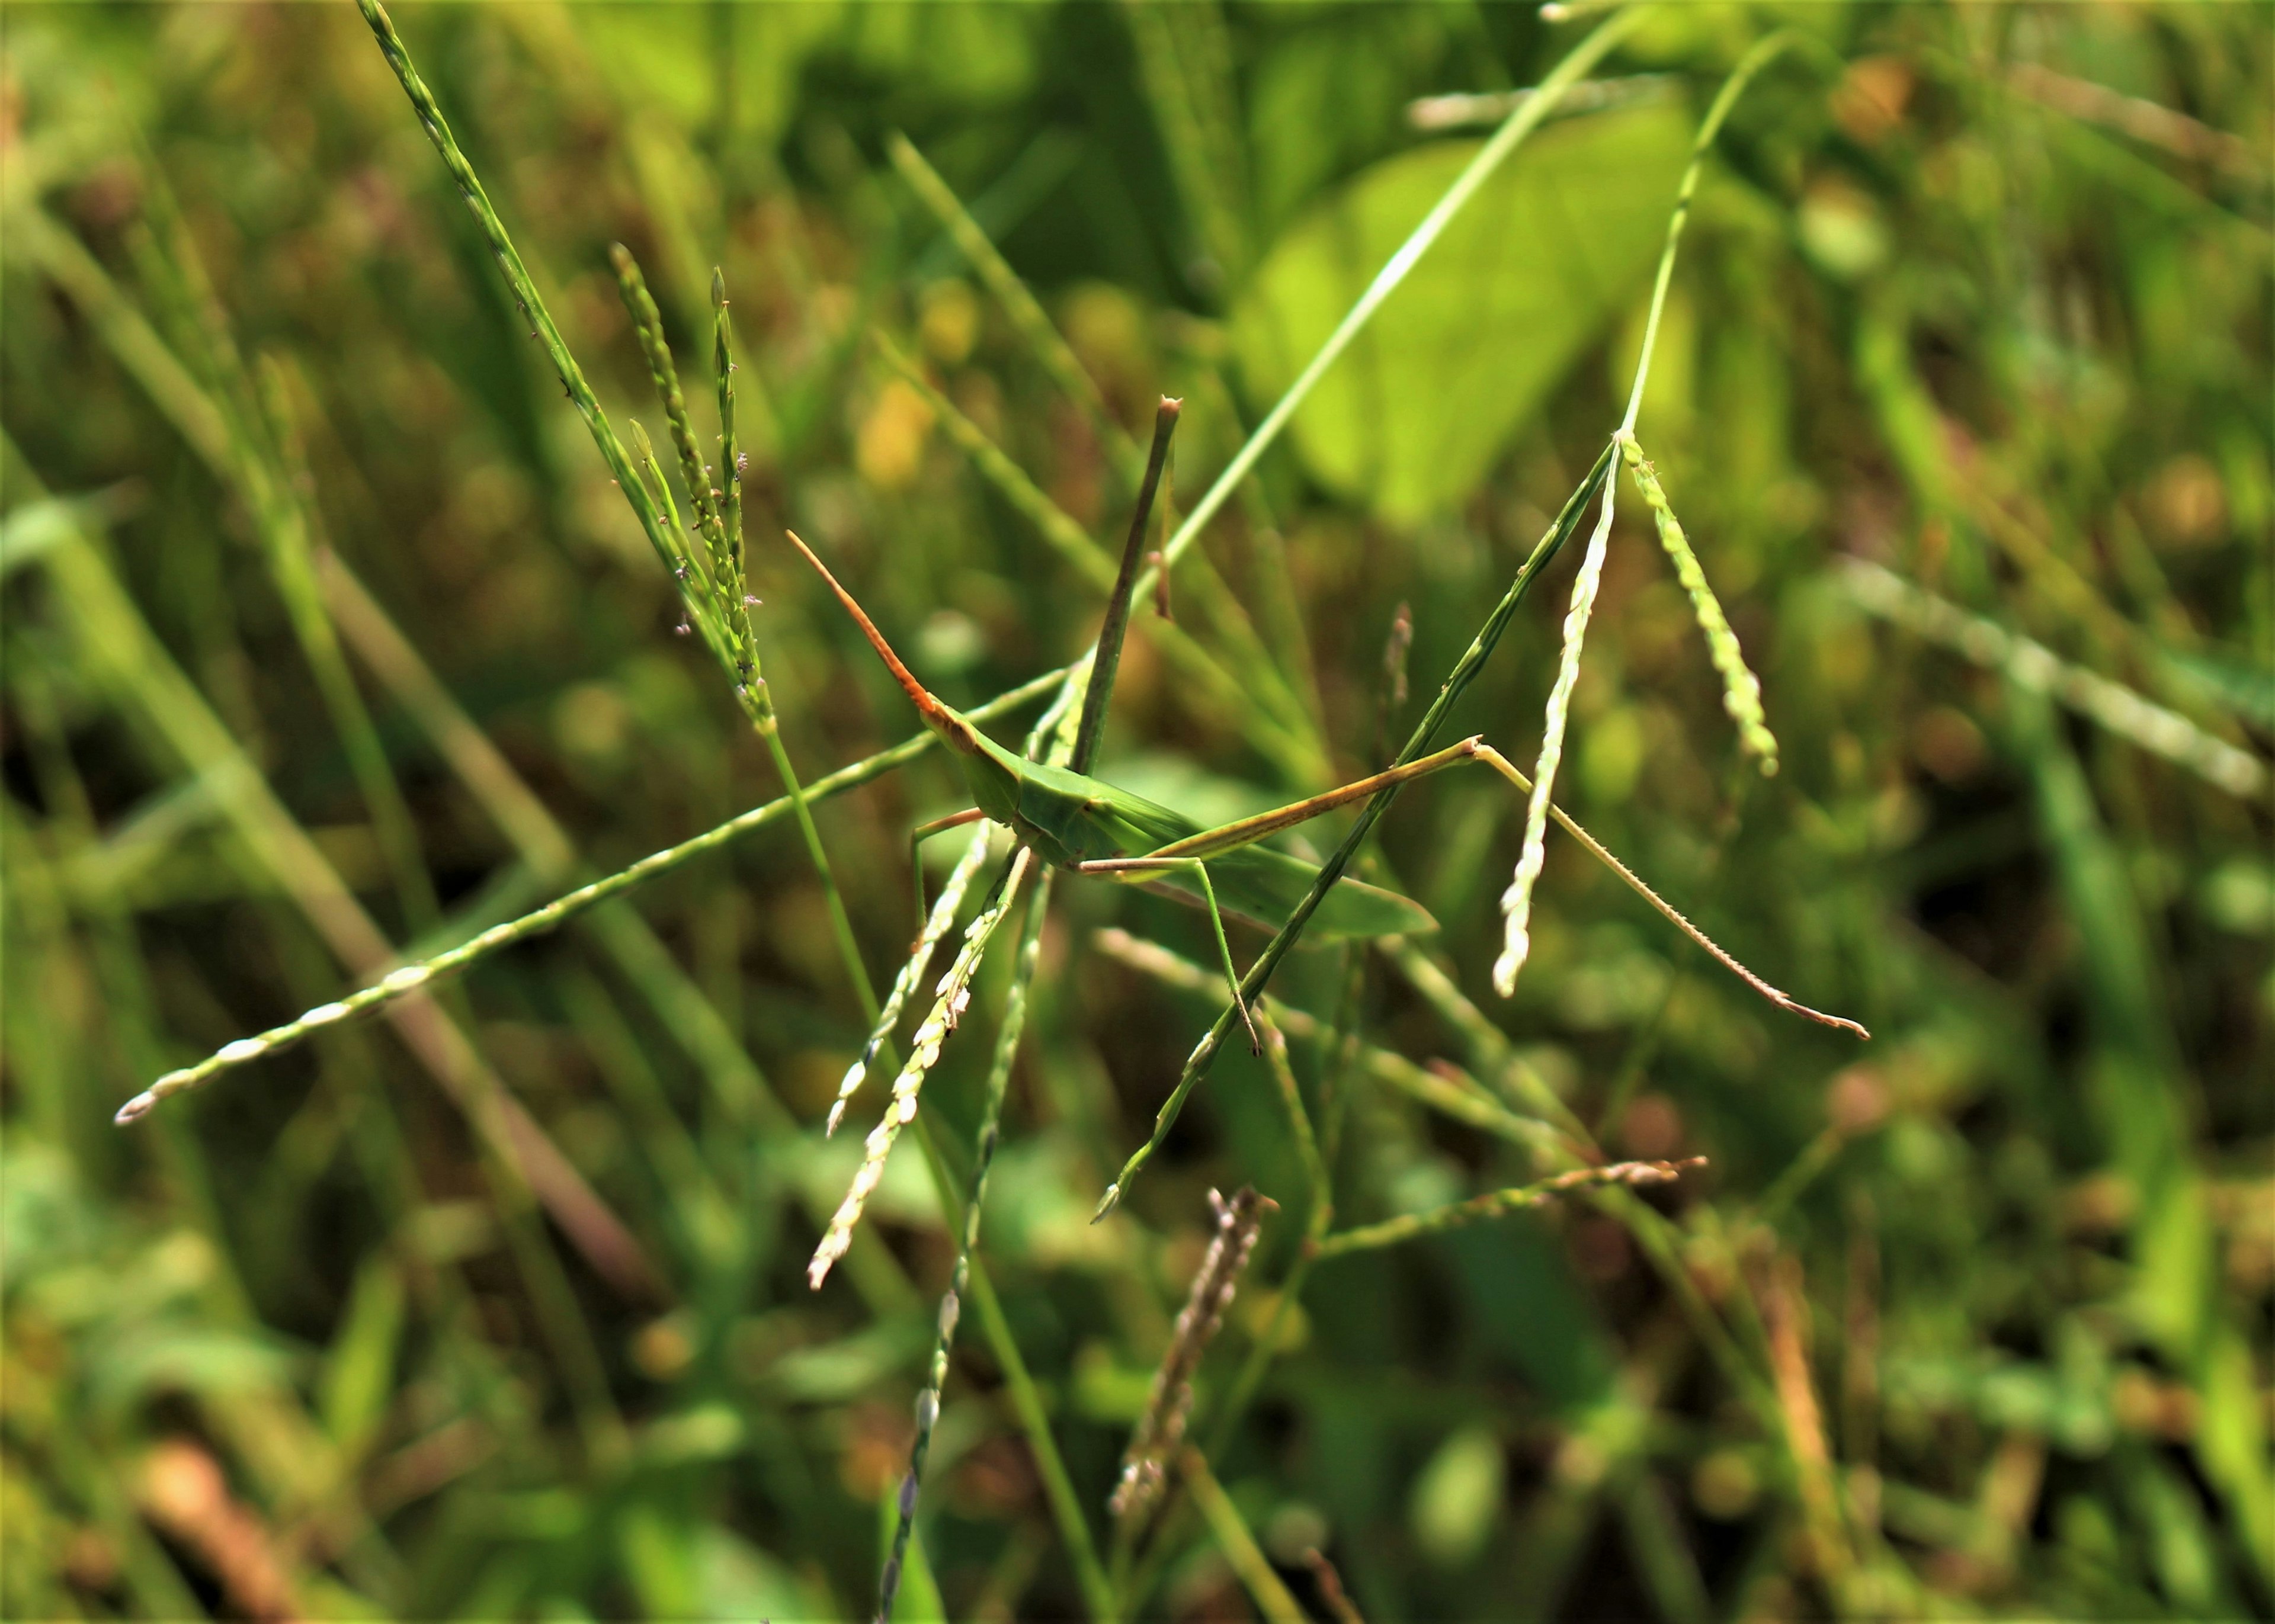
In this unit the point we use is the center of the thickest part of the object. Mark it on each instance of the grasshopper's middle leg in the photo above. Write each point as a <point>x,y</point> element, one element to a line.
<point>1200,871</point>
<point>924,831</point>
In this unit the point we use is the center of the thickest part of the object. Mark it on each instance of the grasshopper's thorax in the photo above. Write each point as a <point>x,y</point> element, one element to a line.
<point>990,772</point>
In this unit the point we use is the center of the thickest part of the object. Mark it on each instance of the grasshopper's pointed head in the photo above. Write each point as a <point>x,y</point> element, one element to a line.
<point>939,718</point>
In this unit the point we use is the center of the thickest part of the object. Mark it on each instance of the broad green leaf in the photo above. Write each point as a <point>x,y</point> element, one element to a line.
<point>1521,283</point>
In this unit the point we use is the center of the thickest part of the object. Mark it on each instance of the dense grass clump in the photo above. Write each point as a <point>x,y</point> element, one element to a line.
<point>1818,460</point>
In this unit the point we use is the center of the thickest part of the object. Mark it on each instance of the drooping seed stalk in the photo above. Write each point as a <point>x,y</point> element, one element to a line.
<point>1456,684</point>
<point>1505,141</point>
<point>1517,901</point>
<point>1160,1429</point>
<point>410,977</point>
<point>1413,1225</point>
<point>1742,689</point>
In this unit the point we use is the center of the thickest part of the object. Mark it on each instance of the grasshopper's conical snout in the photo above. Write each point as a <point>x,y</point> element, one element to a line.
<point>930,708</point>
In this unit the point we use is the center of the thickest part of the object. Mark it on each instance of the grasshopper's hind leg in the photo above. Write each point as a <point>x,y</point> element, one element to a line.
<point>1200,871</point>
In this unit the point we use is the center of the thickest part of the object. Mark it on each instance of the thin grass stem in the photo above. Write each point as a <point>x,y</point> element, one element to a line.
<point>1395,271</point>
<point>1413,1225</point>
<point>1764,51</point>
<point>1264,1586</point>
<point>1317,1184</point>
<point>1442,1088</point>
<point>1271,733</point>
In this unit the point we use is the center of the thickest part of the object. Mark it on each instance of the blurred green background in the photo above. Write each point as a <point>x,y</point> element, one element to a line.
<point>1972,1320</point>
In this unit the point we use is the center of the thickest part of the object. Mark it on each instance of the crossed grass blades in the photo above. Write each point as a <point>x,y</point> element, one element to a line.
<point>704,552</point>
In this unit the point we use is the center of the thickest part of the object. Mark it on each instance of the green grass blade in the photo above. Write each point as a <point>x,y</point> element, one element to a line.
<point>409,979</point>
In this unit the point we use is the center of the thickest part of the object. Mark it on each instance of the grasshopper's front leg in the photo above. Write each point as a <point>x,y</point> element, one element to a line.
<point>924,831</point>
<point>1200,871</point>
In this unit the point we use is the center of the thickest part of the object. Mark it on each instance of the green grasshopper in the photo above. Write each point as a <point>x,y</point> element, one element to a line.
<point>1068,818</point>
<point>1075,822</point>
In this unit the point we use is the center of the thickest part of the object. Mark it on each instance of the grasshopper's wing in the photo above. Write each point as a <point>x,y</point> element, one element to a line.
<point>1095,819</point>
<point>1268,885</point>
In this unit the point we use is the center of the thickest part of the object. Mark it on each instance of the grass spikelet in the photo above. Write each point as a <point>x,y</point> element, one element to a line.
<point>1169,1402</point>
<point>1742,689</point>
<point>647,321</point>
<point>729,490</point>
<point>935,926</point>
<point>955,992</point>
<point>1517,901</point>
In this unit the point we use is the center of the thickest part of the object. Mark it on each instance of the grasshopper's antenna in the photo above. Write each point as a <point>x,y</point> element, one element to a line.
<point>1117,607</point>
<point>932,709</point>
